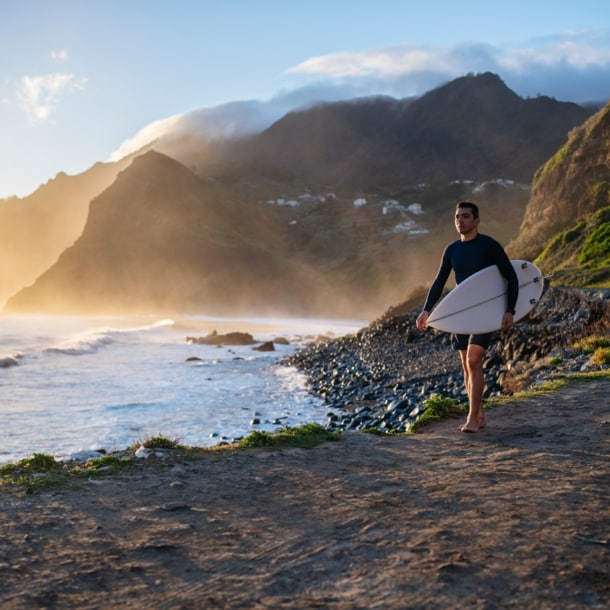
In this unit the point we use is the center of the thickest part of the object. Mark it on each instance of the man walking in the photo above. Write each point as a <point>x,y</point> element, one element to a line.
<point>465,256</point>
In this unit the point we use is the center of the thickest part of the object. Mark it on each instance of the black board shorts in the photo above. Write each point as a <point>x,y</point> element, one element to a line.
<point>461,342</point>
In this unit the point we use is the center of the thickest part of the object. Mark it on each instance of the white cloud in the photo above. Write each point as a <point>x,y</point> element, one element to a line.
<point>575,57</point>
<point>576,54</point>
<point>384,63</point>
<point>578,51</point>
<point>38,96</point>
<point>59,57</point>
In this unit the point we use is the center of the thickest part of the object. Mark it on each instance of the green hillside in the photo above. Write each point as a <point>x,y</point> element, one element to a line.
<point>580,255</point>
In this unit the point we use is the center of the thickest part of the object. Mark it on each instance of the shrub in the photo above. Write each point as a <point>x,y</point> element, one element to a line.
<point>160,442</point>
<point>39,462</point>
<point>436,407</point>
<point>590,344</point>
<point>601,356</point>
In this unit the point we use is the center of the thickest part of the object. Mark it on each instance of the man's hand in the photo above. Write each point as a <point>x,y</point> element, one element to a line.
<point>507,321</point>
<point>422,321</point>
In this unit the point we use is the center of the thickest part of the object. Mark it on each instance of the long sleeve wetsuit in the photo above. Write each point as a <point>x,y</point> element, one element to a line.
<point>468,257</point>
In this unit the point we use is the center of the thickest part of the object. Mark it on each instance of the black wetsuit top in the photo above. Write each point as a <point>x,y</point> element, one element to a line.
<point>468,257</point>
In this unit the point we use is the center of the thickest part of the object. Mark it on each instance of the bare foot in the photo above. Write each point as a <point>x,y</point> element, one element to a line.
<point>480,426</point>
<point>469,427</point>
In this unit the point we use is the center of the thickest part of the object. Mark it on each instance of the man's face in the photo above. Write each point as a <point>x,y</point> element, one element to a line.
<point>465,223</point>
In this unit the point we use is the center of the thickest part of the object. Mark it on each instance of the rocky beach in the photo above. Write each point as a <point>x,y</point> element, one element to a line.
<point>380,377</point>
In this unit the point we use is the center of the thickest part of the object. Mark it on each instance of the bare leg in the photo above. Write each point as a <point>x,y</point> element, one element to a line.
<point>472,364</point>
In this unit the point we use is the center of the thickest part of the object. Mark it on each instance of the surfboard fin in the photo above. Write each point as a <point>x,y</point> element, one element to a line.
<point>533,301</point>
<point>524,265</point>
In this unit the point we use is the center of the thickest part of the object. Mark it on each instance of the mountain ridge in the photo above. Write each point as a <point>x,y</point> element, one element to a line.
<point>464,129</point>
<point>243,226</point>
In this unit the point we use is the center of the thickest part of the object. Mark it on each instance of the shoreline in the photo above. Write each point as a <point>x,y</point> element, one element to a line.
<point>513,516</point>
<point>164,448</point>
<point>83,386</point>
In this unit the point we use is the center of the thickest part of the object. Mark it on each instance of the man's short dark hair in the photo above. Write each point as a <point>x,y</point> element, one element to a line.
<point>470,205</point>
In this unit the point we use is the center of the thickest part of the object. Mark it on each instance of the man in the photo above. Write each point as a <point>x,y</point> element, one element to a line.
<point>467,255</point>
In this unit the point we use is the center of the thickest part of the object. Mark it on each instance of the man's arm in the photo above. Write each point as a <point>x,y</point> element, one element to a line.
<point>507,270</point>
<point>435,291</point>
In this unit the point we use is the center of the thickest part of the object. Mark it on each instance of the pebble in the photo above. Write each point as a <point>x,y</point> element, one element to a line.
<point>142,452</point>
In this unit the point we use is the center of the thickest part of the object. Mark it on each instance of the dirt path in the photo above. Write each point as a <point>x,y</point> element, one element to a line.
<point>515,516</point>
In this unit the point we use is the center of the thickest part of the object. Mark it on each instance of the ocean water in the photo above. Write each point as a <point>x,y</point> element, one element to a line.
<point>84,384</point>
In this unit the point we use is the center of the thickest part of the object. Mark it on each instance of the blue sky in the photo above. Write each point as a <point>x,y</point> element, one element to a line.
<point>83,81</point>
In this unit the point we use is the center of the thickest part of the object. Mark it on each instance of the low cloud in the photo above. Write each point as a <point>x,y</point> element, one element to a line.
<point>218,122</point>
<point>38,96</point>
<point>151,133</point>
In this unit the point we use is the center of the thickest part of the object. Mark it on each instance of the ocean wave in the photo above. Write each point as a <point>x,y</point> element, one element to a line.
<point>123,406</point>
<point>90,341</point>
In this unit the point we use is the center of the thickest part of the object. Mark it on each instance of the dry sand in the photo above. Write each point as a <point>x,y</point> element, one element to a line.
<point>515,516</point>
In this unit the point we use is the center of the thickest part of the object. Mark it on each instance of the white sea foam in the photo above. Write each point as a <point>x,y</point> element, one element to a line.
<point>90,341</point>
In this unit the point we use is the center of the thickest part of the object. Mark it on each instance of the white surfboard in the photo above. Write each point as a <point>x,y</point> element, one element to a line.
<point>478,304</point>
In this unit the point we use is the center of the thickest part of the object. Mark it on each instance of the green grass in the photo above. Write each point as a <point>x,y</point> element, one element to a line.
<point>102,466</point>
<point>306,436</point>
<point>590,344</point>
<point>436,408</point>
<point>580,255</point>
<point>39,472</point>
<point>557,382</point>
<point>596,249</point>
<point>160,442</point>
<point>42,472</point>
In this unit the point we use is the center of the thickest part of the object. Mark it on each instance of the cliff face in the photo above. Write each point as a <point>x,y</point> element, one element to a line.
<point>161,239</point>
<point>569,194</point>
<point>35,230</point>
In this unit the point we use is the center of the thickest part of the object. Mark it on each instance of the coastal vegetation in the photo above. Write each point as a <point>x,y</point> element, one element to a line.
<point>437,407</point>
<point>305,436</point>
<point>556,383</point>
<point>599,347</point>
<point>42,472</point>
<point>580,255</point>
